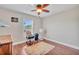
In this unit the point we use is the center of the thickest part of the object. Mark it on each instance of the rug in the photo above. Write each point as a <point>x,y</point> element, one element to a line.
<point>40,48</point>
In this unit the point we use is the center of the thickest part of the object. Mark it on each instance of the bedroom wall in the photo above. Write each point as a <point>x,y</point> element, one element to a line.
<point>63,27</point>
<point>16,29</point>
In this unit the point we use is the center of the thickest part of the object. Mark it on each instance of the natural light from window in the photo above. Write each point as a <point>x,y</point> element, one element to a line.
<point>28,25</point>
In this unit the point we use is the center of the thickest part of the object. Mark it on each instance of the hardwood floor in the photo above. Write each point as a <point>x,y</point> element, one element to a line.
<point>58,50</point>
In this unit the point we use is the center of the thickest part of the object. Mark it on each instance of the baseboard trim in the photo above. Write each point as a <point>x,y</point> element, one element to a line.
<point>19,42</point>
<point>72,46</point>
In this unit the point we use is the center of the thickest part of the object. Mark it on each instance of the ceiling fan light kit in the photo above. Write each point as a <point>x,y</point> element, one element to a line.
<point>41,8</point>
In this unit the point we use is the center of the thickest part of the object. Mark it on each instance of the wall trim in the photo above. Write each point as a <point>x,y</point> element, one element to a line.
<point>71,46</point>
<point>19,42</point>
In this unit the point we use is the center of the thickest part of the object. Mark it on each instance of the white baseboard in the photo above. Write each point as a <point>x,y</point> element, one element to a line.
<point>72,46</point>
<point>19,42</point>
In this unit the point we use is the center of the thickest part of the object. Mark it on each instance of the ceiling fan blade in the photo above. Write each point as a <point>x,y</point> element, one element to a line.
<point>45,5</point>
<point>45,10</point>
<point>33,10</point>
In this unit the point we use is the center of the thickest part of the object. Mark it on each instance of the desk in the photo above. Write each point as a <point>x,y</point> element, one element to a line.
<point>5,45</point>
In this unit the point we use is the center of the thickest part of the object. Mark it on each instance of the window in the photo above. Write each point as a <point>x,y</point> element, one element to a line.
<point>28,25</point>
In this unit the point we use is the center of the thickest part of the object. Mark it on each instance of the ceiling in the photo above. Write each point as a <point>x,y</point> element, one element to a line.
<point>26,8</point>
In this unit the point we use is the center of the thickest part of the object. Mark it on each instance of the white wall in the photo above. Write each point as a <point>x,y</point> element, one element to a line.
<point>63,27</point>
<point>16,29</point>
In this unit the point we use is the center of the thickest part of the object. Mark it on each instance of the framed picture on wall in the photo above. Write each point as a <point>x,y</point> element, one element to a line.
<point>14,19</point>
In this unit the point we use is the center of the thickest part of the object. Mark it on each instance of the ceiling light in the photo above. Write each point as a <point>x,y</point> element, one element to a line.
<point>39,10</point>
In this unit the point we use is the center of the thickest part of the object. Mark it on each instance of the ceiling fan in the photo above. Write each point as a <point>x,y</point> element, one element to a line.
<point>41,8</point>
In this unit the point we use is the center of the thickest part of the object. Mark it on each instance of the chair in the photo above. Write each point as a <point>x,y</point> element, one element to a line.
<point>36,36</point>
<point>29,37</point>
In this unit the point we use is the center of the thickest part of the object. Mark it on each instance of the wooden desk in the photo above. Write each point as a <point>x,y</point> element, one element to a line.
<point>5,45</point>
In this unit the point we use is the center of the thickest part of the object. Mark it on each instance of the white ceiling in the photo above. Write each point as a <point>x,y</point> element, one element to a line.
<point>26,8</point>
